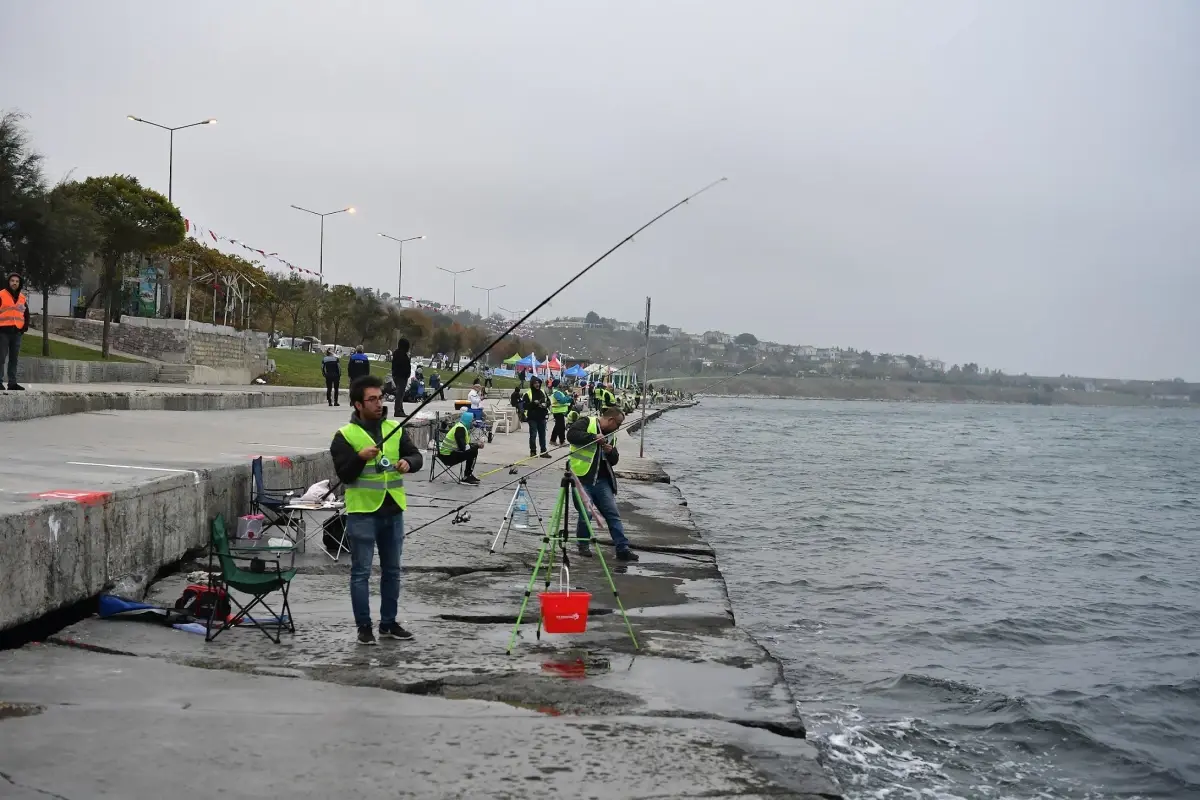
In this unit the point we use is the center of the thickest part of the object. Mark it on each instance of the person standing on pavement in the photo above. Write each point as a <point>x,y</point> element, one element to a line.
<point>560,404</point>
<point>373,471</point>
<point>475,398</point>
<point>331,369</point>
<point>14,321</point>
<point>401,368</point>
<point>592,459</point>
<point>358,366</point>
<point>537,408</point>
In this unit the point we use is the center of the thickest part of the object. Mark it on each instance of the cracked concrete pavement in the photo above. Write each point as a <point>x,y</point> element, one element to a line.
<point>699,710</point>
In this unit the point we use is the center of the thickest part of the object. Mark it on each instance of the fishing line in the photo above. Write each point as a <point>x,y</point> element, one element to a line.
<point>529,314</point>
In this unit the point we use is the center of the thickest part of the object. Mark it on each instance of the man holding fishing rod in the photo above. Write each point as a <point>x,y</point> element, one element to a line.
<point>592,458</point>
<point>371,458</point>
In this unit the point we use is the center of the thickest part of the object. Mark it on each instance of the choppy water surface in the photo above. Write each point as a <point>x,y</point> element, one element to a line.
<point>970,601</point>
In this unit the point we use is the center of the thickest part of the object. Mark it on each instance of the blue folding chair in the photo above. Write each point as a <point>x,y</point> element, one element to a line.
<point>270,502</point>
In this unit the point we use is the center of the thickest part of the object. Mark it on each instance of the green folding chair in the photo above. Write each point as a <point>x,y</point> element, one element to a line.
<point>258,584</point>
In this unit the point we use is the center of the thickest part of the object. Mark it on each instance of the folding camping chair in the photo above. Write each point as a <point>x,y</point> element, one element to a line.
<point>436,467</point>
<point>270,502</point>
<point>247,580</point>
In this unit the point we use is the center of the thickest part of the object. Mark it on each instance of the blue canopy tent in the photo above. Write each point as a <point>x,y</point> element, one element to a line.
<point>576,371</point>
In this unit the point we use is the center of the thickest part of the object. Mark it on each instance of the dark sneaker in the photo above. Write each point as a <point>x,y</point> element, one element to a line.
<point>627,555</point>
<point>16,387</point>
<point>365,636</point>
<point>545,454</point>
<point>585,550</point>
<point>471,479</point>
<point>393,631</point>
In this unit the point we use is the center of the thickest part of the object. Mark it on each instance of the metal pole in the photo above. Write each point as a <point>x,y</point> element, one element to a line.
<point>645,394</point>
<point>187,312</point>
<point>171,167</point>
<point>400,276</point>
<point>321,276</point>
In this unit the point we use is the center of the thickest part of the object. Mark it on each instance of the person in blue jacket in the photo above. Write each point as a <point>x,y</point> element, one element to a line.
<point>359,366</point>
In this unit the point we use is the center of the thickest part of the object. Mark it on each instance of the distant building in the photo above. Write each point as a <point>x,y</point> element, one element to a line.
<point>935,364</point>
<point>806,351</point>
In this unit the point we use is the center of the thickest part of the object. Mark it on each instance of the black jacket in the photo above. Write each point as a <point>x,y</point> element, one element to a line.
<point>331,367</point>
<point>349,466</point>
<point>578,435</point>
<point>537,403</point>
<point>401,367</point>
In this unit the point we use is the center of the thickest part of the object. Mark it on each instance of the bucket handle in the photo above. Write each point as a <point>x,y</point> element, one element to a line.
<point>563,569</point>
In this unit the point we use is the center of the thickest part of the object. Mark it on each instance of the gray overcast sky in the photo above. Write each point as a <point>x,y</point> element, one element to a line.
<point>1012,183</point>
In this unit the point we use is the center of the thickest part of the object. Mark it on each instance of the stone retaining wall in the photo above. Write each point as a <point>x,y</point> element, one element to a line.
<point>172,341</point>
<point>57,370</point>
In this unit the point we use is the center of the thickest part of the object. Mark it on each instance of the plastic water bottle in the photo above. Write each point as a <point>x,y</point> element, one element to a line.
<point>520,517</point>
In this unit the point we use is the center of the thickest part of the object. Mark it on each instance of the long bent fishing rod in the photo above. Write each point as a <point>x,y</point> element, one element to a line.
<point>529,314</point>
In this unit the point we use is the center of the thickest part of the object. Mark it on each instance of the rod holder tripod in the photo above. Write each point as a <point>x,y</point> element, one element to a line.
<point>559,536</point>
<point>506,524</point>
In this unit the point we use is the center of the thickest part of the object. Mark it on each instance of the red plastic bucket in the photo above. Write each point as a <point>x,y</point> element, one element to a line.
<point>564,612</point>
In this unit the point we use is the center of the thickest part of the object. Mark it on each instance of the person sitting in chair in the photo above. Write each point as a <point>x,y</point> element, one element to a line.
<point>456,447</point>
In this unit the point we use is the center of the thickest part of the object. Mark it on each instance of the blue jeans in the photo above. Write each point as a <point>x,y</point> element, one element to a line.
<point>10,349</point>
<point>537,430</point>
<point>606,503</point>
<point>365,531</point>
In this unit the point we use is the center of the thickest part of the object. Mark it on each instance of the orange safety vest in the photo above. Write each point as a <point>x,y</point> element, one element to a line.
<point>12,314</point>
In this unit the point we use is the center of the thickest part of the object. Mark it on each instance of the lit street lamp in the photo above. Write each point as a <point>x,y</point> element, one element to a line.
<point>400,271</point>
<point>171,156</point>
<point>489,293</point>
<point>454,290</point>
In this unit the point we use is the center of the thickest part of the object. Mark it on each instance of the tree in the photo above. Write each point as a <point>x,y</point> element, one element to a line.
<point>416,327</point>
<point>592,318</point>
<point>746,339</point>
<point>294,294</point>
<point>21,185</point>
<point>59,239</point>
<point>662,329</point>
<point>338,306</point>
<point>367,315</point>
<point>133,219</point>
<point>866,359</point>
<point>913,361</point>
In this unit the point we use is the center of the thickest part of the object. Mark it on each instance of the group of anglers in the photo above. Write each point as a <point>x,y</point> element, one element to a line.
<point>371,458</point>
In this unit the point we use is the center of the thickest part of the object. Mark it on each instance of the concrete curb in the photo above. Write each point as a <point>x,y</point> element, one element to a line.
<point>58,553</point>
<point>31,405</point>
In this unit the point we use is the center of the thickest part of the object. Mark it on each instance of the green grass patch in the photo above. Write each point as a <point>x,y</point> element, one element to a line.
<point>31,347</point>
<point>298,368</point>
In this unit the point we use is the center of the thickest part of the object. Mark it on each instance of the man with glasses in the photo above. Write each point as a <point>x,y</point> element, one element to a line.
<point>373,471</point>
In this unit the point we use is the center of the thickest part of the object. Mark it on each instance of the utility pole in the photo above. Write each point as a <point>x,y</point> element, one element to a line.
<point>645,394</point>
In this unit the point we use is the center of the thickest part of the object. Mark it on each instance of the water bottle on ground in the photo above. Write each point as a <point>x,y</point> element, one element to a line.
<point>520,516</point>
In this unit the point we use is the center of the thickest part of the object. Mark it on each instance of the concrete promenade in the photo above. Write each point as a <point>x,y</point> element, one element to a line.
<point>133,710</point>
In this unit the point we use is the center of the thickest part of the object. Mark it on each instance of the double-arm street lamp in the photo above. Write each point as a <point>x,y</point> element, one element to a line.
<point>454,290</point>
<point>321,253</point>
<point>171,156</point>
<point>400,270</point>
<point>489,294</point>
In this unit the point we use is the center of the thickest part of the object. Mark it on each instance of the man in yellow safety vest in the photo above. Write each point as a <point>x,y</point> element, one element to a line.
<point>14,321</point>
<point>593,455</point>
<point>373,471</point>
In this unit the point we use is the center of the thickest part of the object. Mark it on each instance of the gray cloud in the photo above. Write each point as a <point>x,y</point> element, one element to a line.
<point>1008,183</point>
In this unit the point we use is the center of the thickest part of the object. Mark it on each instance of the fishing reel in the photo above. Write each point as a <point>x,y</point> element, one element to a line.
<point>460,517</point>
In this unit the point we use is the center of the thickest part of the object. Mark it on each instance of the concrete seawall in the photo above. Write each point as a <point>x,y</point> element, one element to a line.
<point>59,552</point>
<point>695,707</point>
<point>49,402</point>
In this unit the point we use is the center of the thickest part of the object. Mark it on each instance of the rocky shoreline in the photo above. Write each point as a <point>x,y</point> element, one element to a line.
<point>699,709</point>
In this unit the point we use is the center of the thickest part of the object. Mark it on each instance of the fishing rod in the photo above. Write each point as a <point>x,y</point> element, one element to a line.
<point>458,510</point>
<point>727,377</point>
<point>528,315</point>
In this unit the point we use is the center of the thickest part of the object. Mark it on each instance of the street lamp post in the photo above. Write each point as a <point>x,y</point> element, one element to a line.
<point>321,252</point>
<point>454,290</point>
<point>400,271</point>
<point>171,156</point>
<point>489,294</point>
